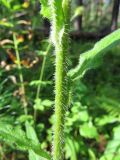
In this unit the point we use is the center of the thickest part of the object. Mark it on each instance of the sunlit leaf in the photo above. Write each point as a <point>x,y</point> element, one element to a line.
<point>45,9</point>
<point>88,130</point>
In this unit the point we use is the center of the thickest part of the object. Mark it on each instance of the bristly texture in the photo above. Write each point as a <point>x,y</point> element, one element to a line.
<point>60,19</point>
<point>60,38</point>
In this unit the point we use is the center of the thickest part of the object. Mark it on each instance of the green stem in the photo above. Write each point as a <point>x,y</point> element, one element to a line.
<point>20,73</point>
<point>41,77</point>
<point>42,70</point>
<point>59,107</point>
<point>2,155</point>
<point>61,43</point>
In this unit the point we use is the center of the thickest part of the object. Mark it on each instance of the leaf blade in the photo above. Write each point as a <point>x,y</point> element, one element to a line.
<point>89,59</point>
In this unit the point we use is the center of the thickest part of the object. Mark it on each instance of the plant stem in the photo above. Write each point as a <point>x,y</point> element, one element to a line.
<point>2,155</point>
<point>41,77</point>
<point>61,43</point>
<point>59,107</point>
<point>20,74</point>
<point>42,70</point>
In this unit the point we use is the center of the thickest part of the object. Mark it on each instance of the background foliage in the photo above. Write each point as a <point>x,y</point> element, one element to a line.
<point>92,121</point>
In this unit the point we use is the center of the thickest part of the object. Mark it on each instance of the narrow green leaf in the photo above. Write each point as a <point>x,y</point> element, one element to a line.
<point>72,150</point>
<point>91,154</point>
<point>91,58</point>
<point>32,135</point>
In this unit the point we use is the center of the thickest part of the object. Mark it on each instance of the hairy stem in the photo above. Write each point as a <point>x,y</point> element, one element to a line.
<point>20,73</point>
<point>61,43</point>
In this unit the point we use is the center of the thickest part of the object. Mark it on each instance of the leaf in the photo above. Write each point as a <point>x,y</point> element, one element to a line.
<point>87,130</point>
<point>6,3</point>
<point>78,12</point>
<point>91,154</point>
<point>47,103</point>
<point>41,105</point>
<point>57,16</point>
<point>24,118</point>
<point>6,24</point>
<point>111,105</point>
<point>91,58</point>
<point>106,119</point>
<point>57,5</point>
<point>70,149</point>
<point>66,5</point>
<point>112,151</point>
<point>45,9</point>
<point>41,53</point>
<point>32,135</point>
<point>38,104</point>
<point>31,132</point>
<point>16,136</point>
<point>38,82</point>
